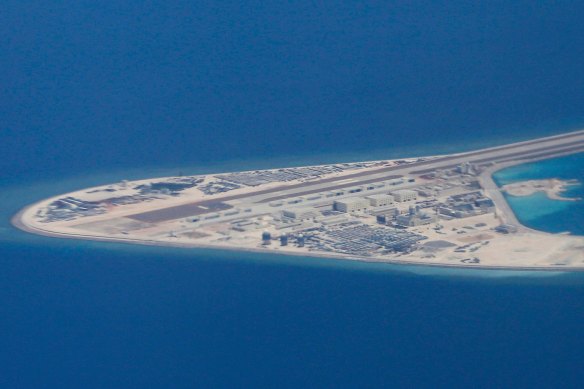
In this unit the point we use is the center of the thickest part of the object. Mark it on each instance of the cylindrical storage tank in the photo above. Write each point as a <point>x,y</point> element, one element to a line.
<point>266,237</point>
<point>284,240</point>
<point>301,240</point>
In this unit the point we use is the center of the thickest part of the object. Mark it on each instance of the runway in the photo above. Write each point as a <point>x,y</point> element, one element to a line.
<point>541,148</point>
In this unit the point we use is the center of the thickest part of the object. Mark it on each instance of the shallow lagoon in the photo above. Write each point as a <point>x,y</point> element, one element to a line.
<point>538,211</point>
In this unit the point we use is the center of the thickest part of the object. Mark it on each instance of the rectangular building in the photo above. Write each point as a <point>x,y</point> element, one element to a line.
<point>380,200</point>
<point>413,220</point>
<point>352,204</point>
<point>404,195</point>
<point>304,213</point>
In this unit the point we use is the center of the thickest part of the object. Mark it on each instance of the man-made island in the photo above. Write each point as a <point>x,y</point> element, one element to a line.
<point>440,210</point>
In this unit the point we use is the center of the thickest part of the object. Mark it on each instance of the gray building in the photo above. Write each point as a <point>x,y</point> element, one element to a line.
<point>416,219</point>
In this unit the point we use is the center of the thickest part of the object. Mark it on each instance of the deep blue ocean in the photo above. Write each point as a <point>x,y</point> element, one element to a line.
<point>94,92</point>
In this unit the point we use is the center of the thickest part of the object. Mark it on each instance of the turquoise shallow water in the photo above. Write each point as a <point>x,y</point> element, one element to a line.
<point>538,211</point>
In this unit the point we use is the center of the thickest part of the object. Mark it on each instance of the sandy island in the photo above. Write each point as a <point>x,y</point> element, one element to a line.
<point>553,188</point>
<point>432,211</point>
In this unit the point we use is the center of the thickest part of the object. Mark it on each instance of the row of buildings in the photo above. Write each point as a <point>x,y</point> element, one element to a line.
<point>356,204</point>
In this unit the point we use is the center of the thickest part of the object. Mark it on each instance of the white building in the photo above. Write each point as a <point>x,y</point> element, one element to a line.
<point>380,200</point>
<point>352,204</point>
<point>304,213</point>
<point>403,195</point>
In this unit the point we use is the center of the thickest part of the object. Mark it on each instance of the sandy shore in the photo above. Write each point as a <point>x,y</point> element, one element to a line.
<point>17,221</point>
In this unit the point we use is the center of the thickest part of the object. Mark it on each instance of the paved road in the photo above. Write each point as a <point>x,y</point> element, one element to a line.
<point>505,213</point>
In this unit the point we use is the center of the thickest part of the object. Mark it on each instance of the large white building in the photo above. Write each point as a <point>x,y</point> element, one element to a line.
<point>303,213</point>
<point>403,195</point>
<point>352,204</point>
<point>380,200</point>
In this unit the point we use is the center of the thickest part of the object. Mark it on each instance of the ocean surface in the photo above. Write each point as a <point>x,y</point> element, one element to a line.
<point>93,93</point>
<point>540,212</point>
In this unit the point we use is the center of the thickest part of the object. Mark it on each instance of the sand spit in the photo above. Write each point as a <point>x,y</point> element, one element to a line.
<point>553,188</point>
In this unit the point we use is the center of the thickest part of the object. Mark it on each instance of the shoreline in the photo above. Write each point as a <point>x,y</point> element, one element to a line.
<point>23,227</point>
<point>486,178</point>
